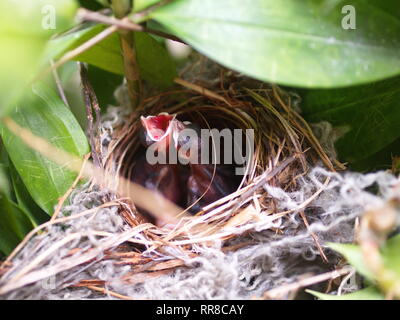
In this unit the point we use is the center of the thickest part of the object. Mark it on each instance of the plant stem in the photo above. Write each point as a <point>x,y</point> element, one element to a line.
<point>121,8</point>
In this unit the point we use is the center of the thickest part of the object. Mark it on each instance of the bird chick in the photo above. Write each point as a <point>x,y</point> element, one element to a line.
<point>191,184</point>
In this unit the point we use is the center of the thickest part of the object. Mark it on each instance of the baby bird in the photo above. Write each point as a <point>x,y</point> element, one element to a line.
<point>193,185</point>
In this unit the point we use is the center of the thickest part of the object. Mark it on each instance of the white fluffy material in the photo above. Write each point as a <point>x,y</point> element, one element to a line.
<point>272,258</point>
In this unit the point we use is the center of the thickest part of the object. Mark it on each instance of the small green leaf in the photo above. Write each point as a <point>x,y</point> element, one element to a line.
<point>382,160</point>
<point>370,293</point>
<point>24,29</point>
<point>14,224</point>
<point>370,115</point>
<point>143,4</point>
<point>155,64</point>
<point>106,54</point>
<point>104,83</point>
<point>391,257</point>
<point>291,42</point>
<point>4,183</point>
<point>44,113</point>
<point>94,5</point>
<point>5,177</point>
<point>25,201</point>
<point>354,256</point>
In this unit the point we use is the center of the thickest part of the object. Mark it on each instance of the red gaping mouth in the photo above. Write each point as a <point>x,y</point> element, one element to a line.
<point>158,127</point>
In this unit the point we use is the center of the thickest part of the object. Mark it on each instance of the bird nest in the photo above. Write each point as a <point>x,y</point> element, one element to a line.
<point>285,148</point>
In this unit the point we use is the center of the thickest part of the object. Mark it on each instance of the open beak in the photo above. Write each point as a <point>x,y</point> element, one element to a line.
<point>162,129</point>
<point>158,127</point>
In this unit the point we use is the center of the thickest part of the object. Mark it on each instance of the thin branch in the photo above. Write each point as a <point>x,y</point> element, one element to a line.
<point>77,51</point>
<point>203,91</point>
<point>109,292</point>
<point>153,202</point>
<point>282,290</point>
<point>69,191</point>
<point>59,85</point>
<point>139,16</point>
<point>314,236</point>
<point>131,68</point>
<point>52,222</point>
<point>91,104</point>
<point>125,23</point>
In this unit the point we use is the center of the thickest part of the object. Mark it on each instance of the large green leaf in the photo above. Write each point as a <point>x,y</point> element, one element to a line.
<point>370,115</point>
<point>292,42</point>
<point>46,116</point>
<point>155,64</point>
<point>370,293</point>
<point>23,34</point>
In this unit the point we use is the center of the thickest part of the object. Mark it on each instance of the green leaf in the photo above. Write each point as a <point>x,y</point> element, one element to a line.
<point>291,42</point>
<point>104,83</point>
<point>391,257</point>
<point>370,293</point>
<point>143,4</point>
<point>25,201</point>
<point>354,256</point>
<point>94,5</point>
<point>23,34</point>
<point>155,64</point>
<point>46,116</point>
<point>382,160</point>
<point>106,54</point>
<point>5,177</point>
<point>369,113</point>
<point>14,224</point>
<point>4,183</point>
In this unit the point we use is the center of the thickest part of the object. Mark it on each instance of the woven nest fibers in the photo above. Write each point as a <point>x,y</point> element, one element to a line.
<point>284,150</point>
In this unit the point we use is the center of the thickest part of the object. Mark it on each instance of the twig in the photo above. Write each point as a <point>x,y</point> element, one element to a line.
<point>139,16</point>
<point>282,290</point>
<point>131,68</point>
<point>77,51</point>
<point>109,292</point>
<point>201,90</point>
<point>314,236</point>
<point>49,223</point>
<point>125,23</point>
<point>91,104</point>
<point>149,200</point>
<point>59,85</point>
<point>27,275</point>
<point>69,191</point>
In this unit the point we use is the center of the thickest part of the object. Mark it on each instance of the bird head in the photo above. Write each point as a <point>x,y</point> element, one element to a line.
<point>164,129</point>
